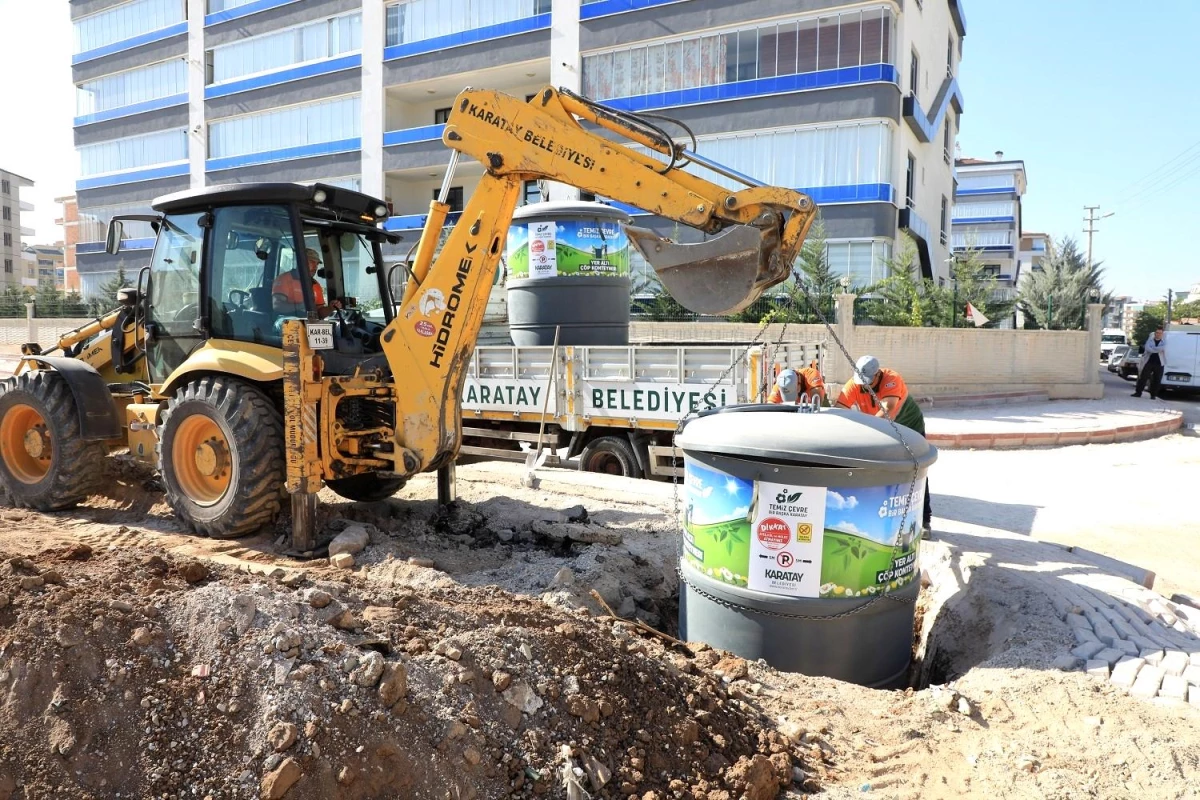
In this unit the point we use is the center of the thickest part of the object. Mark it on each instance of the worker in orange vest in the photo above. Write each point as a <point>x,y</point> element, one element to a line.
<point>287,291</point>
<point>792,385</point>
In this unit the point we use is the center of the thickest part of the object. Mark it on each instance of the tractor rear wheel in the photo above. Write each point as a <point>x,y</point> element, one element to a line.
<point>44,464</point>
<point>220,451</point>
<point>370,487</point>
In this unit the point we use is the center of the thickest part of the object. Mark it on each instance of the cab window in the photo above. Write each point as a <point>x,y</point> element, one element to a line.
<point>253,249</point>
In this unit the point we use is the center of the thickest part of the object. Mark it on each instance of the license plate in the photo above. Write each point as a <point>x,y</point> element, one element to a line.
<point>320,335</point>
<point>1180,378</point>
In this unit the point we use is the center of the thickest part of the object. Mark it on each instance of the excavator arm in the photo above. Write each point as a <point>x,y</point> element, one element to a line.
<point>758,234</point>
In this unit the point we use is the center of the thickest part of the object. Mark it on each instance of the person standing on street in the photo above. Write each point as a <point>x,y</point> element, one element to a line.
<point>792,385</point>
<point>891,400</point>
<point>1154,356</point>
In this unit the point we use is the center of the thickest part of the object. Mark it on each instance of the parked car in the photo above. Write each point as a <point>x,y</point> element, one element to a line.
<point>1130,363</point>
<point>1115,358</point>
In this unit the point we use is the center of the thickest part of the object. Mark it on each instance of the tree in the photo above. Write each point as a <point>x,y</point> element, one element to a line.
<point>971,284</point>
<point>1055,297</point>
<point>1146,323</point>
<point>661,306</point>
<point>903,298</point>
<point>106,296</point>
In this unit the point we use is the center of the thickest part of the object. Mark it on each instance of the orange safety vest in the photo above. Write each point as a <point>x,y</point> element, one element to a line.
<point>891,384</point>
<point>811,383</point>
<point>288,285</point>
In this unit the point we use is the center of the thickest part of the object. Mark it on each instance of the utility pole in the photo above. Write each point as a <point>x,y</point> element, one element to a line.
<point>1090,220</point>
<point>1170,300</point>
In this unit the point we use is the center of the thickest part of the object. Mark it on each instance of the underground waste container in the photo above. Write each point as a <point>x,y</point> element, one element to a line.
<point>800,539</point>
<point>568,268</point>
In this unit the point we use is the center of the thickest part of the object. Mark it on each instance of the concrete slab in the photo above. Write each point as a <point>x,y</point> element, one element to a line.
<point>1173,688</point>
<point>1089,650</point>
<point>1112,656</point>
<point>1174,662</point>
<point>1097,668</point>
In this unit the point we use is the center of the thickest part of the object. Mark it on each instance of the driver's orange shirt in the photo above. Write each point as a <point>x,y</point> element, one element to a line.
<point>288,285</point>
<point>890,385</point>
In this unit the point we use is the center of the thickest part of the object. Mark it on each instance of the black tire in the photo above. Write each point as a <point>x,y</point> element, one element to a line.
<point>611,455</point>
<point>370,487</point>
<point>75,469</point>
<point>253,429</point>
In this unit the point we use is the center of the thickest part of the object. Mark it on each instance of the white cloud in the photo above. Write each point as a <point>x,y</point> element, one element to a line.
<point>836,502</point>
<point>849,527</point>
<point>740,511</point>
<point>700,491</point>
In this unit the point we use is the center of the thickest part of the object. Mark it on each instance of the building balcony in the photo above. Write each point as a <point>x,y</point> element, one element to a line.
<point>25,206</point>
<point>28,231</point>
<point>983,240</point>
<point>590,9</point>
<point>920,231</point>
<point>241,9</point>
<point>926,126</point>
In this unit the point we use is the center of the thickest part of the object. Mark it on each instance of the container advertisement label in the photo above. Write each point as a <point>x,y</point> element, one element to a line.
<point>569,248</point>
<point>800,541</point>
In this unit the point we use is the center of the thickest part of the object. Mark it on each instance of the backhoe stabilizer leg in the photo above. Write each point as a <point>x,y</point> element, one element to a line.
<point>304,522</point>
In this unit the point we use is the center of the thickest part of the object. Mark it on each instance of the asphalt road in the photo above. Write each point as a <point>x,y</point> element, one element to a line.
<point>1188,403</point>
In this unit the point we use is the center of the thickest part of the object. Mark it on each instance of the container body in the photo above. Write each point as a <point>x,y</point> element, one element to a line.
<point>800,541</point>
<point>568,269</point>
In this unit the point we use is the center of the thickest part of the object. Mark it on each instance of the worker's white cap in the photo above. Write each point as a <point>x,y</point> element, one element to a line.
<point>788,384</point>
<point>865,370</point>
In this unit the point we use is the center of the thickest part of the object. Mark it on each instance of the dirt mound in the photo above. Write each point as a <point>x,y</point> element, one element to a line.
<point>137,674</point>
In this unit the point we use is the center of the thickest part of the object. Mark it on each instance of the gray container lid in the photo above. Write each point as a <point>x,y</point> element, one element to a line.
<point>556,209</point>
<point>779,434</point>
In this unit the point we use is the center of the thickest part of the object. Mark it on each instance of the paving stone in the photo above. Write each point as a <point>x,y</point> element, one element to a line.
<point>1107,654</point>
<point>1144,644</point>
<point>1126,671</point>
<point>1174,688</point>
<point>1084,635</point>
<point>1105,632</point>
<point>1153,656</point>
<point>1066,663</point>
<point>1148,681</point>
<point>1078,621</point>
<point>1088,650</point>
<point>1192,675</point>
<point>1128,647</point>
<point>1097,668</point>
<point>1174,662</point>
<point>1194,696</point>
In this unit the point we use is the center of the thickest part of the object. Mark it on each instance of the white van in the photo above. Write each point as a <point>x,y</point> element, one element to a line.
<point>1110,338</point>
<point>1182,370</point>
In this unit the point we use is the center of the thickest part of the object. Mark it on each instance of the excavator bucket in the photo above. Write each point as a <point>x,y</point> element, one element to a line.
<point>720,276</point>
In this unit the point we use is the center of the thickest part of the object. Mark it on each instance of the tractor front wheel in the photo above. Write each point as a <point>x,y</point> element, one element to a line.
<point>220,451</point>
<point>44,464</point>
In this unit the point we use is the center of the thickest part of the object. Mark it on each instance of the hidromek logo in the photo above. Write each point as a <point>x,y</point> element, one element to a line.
<point>452,304</point>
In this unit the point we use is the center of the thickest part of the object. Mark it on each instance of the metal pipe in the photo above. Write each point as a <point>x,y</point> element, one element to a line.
<point>449,177</point>
<point>721,169</point>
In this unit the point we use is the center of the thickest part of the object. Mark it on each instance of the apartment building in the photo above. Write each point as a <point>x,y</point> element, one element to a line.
<point>11,230</point>
<point>42,263</point>
<point>987,216</point>
<point>854,103</point>
<point>69,222</point>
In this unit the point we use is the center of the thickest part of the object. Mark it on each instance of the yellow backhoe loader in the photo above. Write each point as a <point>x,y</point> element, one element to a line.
<point>243,365</point>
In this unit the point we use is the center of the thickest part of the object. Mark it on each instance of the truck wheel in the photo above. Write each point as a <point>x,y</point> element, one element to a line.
<point>44,464</point>
<point>220,450</point>
<point>611,455</point>
<point>370,487</point>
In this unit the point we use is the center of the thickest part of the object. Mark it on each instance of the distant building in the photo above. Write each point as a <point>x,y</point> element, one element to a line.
<point>70,225</point>
<point>987,218</point>
<point>43,262</point>
<point>1114,312</point>
<point>11,231</point>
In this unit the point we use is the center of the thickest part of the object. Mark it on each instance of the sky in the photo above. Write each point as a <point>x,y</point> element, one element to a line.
<point>1095,97</point>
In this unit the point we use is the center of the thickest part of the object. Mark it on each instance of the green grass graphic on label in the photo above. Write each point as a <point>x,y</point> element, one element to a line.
<point>726,548</point>
<point>575,261</point>
<point>852,566</point>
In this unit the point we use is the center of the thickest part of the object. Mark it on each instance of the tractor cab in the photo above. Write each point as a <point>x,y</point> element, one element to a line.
<point>235,262</point>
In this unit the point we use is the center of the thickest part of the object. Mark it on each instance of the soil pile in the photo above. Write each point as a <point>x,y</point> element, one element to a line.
<point>139,674</point>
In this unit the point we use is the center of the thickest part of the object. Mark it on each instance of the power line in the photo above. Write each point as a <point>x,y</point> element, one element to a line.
<point>1142,198</point>
<point>1154,175</point>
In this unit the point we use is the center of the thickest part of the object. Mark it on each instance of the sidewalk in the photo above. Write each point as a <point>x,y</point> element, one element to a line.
<point>1116,418</point>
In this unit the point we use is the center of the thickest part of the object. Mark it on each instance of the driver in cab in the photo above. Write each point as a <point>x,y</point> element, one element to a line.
<point>288,296</point>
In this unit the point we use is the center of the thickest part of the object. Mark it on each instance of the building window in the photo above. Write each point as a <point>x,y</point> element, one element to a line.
<point>416,20</point>
<point>980,183</point>
<point>950,56</point>
<point>991,270</point>
<point>454,198</point>
<point>531,193</point>
<point>93,222</point>
<point>331,120</point>
<point>864,262</point>
<point>128,88</point>
<point>945,214</point>
<point>441,115</point>
<point>134,152</point>
<point>314,41</point>
<point>8,265</point>
<point>126,21</point>
<point>5,188</point>
<point>7,212</point>
<point>910,181</point>
<point>224,5</point>
<point>984,210</point>
<point>807,157</point>
<point>8,240</point>
<point>787,47</point>
<point>914,73</point>
<point>948,138</point>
